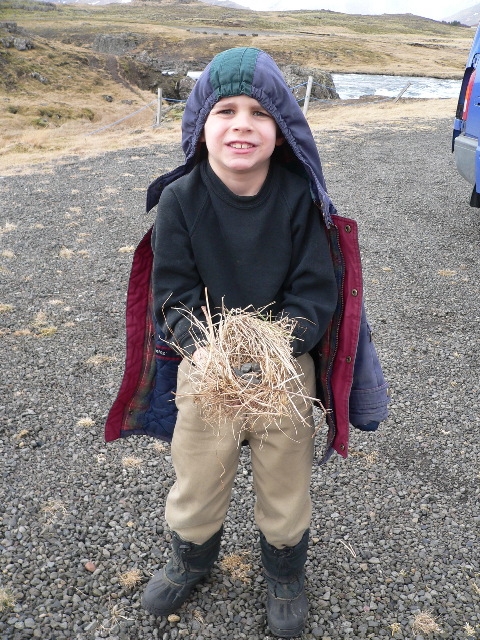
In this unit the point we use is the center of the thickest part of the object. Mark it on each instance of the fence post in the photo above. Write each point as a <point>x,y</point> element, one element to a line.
<point>159,107</point>
<point>307,95</point>
<point>402,92</point>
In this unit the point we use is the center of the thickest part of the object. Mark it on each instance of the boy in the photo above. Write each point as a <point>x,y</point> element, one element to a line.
<point>242,219</point>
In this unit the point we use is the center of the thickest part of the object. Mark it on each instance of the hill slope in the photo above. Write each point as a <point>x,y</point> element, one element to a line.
<point>56,83</point>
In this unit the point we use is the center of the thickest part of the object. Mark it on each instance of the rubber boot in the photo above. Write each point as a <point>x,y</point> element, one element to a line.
<point>284,571</point>
<point>188,565</point>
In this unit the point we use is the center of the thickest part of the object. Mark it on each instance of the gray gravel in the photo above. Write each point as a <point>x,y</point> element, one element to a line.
<point>395,527</point>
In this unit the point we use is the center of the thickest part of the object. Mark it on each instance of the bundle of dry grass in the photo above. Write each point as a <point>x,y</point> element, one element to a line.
<point>226,387</point>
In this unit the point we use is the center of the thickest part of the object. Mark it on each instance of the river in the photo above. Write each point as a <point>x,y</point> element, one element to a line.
<point>354,85</point>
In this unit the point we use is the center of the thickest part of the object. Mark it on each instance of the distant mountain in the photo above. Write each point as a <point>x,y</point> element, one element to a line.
<point>470,16</point>
<point>226,3</point>
<point>222,3</point>
<point>89,1</point>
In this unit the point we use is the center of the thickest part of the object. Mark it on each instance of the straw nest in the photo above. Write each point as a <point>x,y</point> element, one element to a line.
<point>225,385</point>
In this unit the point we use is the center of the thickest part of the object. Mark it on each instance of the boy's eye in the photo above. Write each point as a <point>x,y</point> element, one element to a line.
<point>261,113</point>
<point>225,111</point>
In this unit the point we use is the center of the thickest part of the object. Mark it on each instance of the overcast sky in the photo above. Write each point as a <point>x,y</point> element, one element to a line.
<point>436,9</point>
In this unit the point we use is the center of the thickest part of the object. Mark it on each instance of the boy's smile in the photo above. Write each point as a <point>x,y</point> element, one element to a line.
<point>240,136</point>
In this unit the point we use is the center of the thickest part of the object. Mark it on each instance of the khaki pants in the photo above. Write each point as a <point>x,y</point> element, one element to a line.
<point>205,466</point>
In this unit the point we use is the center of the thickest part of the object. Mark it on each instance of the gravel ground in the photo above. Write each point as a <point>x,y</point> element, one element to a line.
<point>395,529</point>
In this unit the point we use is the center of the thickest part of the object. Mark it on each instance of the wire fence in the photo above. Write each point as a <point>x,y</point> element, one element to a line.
<point>311,98</point>
<point>122,119</point>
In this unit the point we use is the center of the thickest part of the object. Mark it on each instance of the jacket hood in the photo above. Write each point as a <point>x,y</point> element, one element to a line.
<point>249,71</point>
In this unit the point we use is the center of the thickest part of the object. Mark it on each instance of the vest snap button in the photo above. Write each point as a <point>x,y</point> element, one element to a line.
<point>348,228</point>
<point>354,292</point>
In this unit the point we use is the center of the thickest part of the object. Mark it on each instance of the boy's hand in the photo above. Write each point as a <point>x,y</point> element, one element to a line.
<point>250,372</point>
<point>200,357</point>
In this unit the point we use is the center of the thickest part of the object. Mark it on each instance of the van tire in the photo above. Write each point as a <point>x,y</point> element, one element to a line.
<point>475,198</point>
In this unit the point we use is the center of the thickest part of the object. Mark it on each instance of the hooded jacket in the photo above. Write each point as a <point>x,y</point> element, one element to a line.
<point>350,382</point>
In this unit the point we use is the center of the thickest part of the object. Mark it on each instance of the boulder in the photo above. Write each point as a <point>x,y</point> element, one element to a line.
<point>22,44</point>
<point>162,63</point>
<point>147,76</point>
<point>116,44</point>
<point>323,87</point>
<point>145,58</point>
<point>11,27</point>
<point>151,69</point>
<point>39,77</point>
<point>185,86</point>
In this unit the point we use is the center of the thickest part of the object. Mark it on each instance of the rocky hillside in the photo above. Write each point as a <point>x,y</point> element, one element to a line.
<point>68,69</point>
<point>176,32</point>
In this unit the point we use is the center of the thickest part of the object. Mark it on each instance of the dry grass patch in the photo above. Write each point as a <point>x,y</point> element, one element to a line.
<point>130,578</point>
<point>65,253</point>
<point>54,511</point>
<point>395,628</point>
<point>22,147</point>
<point>7,227</point>
<point>40,319</point>
<point>402,114</point>
<point>21,434</point>
<point>474,585</point>
<point>425,622</point>
<point>115,616</point>
<point>348,546</point>
<point>447,272</point>
<point>335,116</point>
<point>42,327</point>
<point>99,359</point>
<point>127,249</point>
<point>85,422</point>
<point>7,599</point>
<point>8,253</point>
<point>6,308</point>
<point>132,462</point>
<point>248,368</point>
<point>198,616</point>
<point>370,458</point>
<point>237,566</point>
<point>46,332</point>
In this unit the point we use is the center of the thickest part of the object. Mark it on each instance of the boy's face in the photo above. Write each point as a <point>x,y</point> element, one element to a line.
<point>240,136</point>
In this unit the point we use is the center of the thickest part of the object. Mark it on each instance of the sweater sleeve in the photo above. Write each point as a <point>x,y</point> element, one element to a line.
<point>177,287</point>
<point>310,290</point>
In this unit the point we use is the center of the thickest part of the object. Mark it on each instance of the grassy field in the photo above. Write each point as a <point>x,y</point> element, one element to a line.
<point>56,93</point>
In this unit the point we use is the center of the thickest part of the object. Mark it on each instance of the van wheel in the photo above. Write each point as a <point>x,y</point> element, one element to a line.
<point>475,198</point>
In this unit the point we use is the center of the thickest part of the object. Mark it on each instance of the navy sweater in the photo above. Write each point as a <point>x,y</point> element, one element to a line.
<point>267,249</point>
